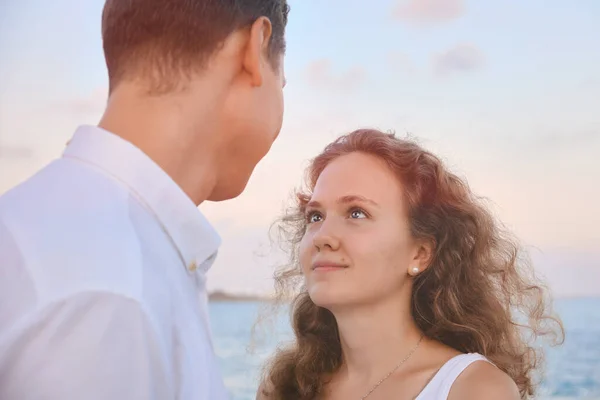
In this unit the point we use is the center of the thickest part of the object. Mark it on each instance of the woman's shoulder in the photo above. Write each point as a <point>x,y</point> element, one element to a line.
<point>481,379</point>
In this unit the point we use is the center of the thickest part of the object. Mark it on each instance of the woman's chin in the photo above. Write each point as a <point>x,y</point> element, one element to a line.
<point>328,297</point>
<point>321,296</point>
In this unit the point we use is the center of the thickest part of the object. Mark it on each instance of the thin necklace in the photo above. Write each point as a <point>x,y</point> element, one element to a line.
<point>394,370</point>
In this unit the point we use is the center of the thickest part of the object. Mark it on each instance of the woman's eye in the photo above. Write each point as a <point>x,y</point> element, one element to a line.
<point>313,217</point>
<point>358,214</point>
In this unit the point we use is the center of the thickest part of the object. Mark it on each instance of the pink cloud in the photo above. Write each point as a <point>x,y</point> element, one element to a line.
<point>429,11</point>
<point>459,59</point>
<point>319,73</point>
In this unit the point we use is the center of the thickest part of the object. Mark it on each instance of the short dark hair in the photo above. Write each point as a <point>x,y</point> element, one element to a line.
<point>160,38</point>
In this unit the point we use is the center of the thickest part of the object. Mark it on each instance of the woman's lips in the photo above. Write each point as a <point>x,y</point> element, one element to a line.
<point>323,266</point>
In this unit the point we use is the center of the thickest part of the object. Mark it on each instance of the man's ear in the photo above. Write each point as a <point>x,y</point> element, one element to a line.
<point>256,53</point>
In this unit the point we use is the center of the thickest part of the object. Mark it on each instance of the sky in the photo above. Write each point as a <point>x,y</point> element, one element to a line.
<point>506,92</point>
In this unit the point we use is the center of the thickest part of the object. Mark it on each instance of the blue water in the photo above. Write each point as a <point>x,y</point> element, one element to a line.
<point>573,370</point>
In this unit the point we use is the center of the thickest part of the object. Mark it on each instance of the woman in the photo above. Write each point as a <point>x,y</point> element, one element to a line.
<point>410,289</point>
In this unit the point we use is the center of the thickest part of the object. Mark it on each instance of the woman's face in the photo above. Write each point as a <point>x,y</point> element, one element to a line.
<point>357,248</point>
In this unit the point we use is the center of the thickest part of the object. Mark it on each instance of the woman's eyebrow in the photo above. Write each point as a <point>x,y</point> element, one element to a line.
<point>353,197</point>
<point>313,204</point>
<point>344,200</point>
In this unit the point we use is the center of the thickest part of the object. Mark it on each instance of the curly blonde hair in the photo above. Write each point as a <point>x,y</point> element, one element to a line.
<point>478,295</point>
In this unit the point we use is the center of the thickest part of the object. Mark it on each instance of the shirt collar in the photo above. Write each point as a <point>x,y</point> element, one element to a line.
<point>193,236</point>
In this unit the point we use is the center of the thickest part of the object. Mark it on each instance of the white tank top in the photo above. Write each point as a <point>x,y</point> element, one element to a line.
<point>439,386</point>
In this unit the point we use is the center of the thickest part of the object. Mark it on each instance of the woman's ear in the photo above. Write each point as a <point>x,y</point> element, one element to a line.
<point>423,255</point>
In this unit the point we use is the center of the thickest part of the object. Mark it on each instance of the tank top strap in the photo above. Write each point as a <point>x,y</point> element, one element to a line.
<point>439,386</point>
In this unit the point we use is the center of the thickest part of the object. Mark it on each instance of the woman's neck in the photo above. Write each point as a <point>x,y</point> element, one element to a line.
<point>375,339</point>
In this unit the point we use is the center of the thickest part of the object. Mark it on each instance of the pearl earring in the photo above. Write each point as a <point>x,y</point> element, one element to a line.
<point>415,270</point>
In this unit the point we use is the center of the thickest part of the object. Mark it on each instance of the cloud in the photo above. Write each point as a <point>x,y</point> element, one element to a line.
<point>459,59</point>
<point>319,73</point>
<point>429,12</point>
<point>400,62</point>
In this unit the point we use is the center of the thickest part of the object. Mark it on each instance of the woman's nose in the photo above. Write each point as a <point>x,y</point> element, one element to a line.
<point>326,238</point>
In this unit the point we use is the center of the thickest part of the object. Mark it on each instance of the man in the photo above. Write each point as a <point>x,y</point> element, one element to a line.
<point>103,253</point>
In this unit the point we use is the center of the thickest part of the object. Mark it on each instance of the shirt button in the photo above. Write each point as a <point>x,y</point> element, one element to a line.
<point>193,266</point>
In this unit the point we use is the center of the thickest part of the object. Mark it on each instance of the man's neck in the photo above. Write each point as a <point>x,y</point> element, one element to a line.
<point>375,339</point>
<point>161,127</point>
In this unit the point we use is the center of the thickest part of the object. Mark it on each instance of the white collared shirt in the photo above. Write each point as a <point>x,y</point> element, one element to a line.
<point>103,262</point>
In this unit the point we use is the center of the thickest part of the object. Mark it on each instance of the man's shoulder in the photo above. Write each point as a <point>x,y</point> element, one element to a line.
<point>64,201</point>
<point>72,230</point>
<point>63,206</point>
<point>63,188</point>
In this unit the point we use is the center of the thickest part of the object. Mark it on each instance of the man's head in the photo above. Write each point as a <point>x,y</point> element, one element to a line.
<point>219,62</point>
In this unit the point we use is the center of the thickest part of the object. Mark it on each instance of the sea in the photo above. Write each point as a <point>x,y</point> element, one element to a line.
<point>246,333</point>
